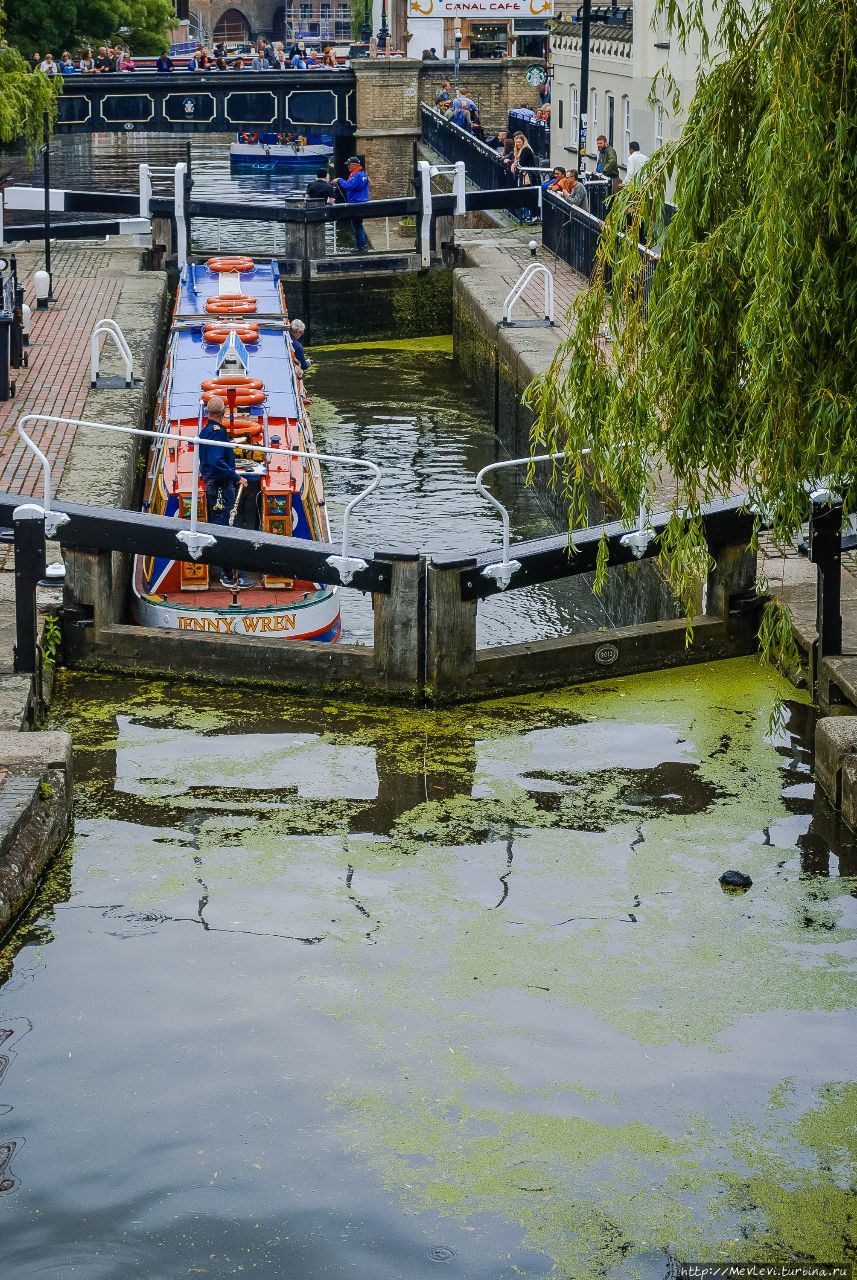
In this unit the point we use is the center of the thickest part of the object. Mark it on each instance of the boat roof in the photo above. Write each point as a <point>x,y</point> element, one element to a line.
<point>199,283</point>
<point>194,361</point>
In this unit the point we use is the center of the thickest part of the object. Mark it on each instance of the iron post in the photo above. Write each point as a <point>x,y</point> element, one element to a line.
<point>28,523</point>
<point>586,19</point>
<point>46,158</point>
<point>384,32</point>
<point>825,552</point>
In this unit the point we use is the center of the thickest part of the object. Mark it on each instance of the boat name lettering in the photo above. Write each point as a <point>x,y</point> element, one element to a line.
<point>251,624</point>
<point>279,622</point>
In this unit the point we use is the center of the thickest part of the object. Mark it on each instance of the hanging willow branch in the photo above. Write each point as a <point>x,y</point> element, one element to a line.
<point>739,369</point>
<point>25,96</point>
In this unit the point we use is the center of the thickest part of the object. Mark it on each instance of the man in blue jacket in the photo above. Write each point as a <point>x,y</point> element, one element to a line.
<point>222,481</point>
<point>356,190</point>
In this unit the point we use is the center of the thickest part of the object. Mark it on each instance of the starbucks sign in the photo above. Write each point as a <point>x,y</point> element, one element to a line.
<point>535,76</point>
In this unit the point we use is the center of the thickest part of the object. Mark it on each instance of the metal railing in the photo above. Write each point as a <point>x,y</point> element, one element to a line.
<point>109,328</point>
<point>482,164</point>
<point>574,235</point>
<point>345,564</point>
<point>527,275</point>
<point>537,133</point>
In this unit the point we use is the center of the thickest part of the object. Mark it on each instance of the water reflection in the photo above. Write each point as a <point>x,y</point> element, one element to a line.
<point>354,990</point>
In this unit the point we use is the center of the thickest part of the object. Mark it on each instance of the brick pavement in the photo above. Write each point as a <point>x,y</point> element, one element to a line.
<point>57,380</point>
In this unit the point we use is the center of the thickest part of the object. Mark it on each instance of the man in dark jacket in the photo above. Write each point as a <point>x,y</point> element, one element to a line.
<point>356,190</point>
<point>222,481</point>
<point>319,188</point>
<point>608,161</point>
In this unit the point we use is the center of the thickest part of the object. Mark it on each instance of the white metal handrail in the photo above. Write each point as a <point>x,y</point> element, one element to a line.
<point>529,273</point>
<point>636,541</point>
<point>345,564</point>
<point>503,572</point>
<point>104,328</point>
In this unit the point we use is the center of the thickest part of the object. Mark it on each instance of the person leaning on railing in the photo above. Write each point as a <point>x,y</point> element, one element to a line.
<point>523,159</point>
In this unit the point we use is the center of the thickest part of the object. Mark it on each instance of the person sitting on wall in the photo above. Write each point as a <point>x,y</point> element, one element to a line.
<point>298,61</point>
<point>165,62</point>
<point>553,182</point>
<point>443,97</point>
<point>103,62</point>
<point>220,476</point>
<point>66,65</point>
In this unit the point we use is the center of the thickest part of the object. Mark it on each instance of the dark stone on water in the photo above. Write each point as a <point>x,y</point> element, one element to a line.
<point>735,880</point>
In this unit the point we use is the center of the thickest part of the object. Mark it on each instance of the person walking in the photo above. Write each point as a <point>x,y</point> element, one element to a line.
<point>221,478</point>
<point>356,190</point>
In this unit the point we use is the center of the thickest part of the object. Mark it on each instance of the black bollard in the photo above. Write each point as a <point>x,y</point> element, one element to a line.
<point>29,526</point>
<point>825,552</point>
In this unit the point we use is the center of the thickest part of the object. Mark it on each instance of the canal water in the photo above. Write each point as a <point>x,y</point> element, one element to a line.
<point>404,405</point>
<point>111,162</point>
<point>328,990</point>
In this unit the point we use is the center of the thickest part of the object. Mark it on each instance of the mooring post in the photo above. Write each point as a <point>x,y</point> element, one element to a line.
<point>734,574</point>
<point>400,623</point>
<point>825,552</point>
<point>89,582</point>
<point>450,631</point>
<point>28,522</point>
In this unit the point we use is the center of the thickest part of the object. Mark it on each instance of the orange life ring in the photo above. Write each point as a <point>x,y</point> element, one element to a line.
<point>242,398</point>
<point>244,427</point>
<point>218,334</point>
<point>221,382</point>
<point>227,304</point>
<point>249,137</point>
<point>240,262</point>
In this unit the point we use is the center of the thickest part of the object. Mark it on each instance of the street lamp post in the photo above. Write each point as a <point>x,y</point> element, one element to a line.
<point>584,84</point>
<point>384,33</point>
<point>457,56</point>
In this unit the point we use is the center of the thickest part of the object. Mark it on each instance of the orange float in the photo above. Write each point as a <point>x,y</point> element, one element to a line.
<point>229,304</point>
<point>240,262</point>
<point>242,398</point>
<point>220,334</point>
<point>244,427</point>
<point>222,381</point>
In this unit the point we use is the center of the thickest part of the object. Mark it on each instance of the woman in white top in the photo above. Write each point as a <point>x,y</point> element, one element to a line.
<point>49,67</point>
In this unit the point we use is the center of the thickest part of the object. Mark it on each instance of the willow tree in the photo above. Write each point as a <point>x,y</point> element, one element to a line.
<point>24,99</point>
<point>739,367</point>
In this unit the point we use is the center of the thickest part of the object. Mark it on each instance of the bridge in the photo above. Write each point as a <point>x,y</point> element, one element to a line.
<point>210,102</point>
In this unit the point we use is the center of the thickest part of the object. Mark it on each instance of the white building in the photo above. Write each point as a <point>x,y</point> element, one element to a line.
<point>625,54</point>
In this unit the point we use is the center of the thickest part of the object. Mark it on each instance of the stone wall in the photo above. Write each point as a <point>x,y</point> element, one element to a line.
<point>389,93</point>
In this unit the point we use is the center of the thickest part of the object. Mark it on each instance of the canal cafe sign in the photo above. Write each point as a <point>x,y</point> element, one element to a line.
<point>480,9</point>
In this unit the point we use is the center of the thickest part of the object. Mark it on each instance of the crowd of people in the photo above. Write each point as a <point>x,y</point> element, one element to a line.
<point>267,55</point>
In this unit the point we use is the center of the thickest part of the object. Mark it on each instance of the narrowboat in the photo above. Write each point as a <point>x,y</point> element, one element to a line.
<point>280,150</point>
<point>230,330</point>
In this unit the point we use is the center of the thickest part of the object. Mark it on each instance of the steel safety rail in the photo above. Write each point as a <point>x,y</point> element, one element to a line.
<point>728,522</point>
<point>199,544</point>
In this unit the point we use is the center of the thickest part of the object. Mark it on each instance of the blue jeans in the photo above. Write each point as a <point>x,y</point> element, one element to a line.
<point>219,494</point>
<point>360,237</point>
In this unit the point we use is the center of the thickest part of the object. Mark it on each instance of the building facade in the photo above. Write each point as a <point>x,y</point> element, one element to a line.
<point>626,52</point>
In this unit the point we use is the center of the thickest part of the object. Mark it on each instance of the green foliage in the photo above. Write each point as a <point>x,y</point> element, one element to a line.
<point>55,25</point>
<point>24,99</point>
<point>51,638</point>
<point>739,370</point>
<point>46,791</point>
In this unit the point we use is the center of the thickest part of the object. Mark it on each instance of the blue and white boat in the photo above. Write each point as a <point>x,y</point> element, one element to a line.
<point>284,493</point>
<point>280,150</point>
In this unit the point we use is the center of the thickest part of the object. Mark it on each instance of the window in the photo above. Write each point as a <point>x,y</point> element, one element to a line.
<point>574,118</point>
<point>611,116</point>
<point>343,21</point>
<point>626,122</point>
<point>659,124</point>
<point>560,113</point>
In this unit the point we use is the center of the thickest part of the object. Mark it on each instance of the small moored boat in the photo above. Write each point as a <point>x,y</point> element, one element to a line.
<point>229,336</point>
<point>280,150</point>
